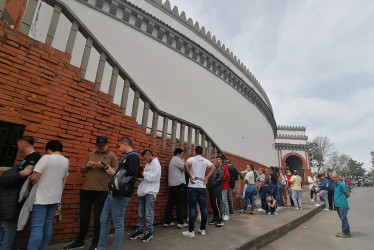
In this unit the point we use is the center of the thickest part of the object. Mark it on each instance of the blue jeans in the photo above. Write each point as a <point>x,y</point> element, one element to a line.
<point>146,212</point>
<point>273,190</point>
<point>41,226</point>
<point>279,194</point>
<point>8,231</point>
<point>224,203</point>
<point>196,195</point>
<point>342,212</point>
<point>263,195</point>
<point>297,198</point>
<point>115,208</point>
<point>270,209</point>
<point>250,195</point>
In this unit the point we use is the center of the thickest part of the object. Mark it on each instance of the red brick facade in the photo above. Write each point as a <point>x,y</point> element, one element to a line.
<point>40,89</point>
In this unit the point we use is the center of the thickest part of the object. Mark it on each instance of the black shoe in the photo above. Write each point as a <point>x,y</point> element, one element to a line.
<point>220,224</point>
<point>147,237</point>
<point>74,245</point>
<point>212,222</point>
<point>136,235</point>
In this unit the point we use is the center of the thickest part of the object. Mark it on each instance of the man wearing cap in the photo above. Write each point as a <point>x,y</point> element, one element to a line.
<point>94,190</point>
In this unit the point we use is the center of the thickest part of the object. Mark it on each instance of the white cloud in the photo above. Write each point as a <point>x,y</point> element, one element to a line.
<point>313,57</point>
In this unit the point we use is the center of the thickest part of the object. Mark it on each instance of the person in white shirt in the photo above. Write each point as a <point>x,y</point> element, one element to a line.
<point>49,174</point>
<point>147,191</point>
<point>196,192</point>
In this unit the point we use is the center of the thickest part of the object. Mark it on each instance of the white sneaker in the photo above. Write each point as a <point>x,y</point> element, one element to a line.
<point>182,225</point>
<point>189,234</point>
<point>280,208</point>
<point>226,218</point>
<point>269,213</point>
<point>325,209</point>
<point>317,205</point>
<point>172,224</point>
<point>297,208</point>
<point>275,213</point>
<point>312,200</point>
<point>301,208</point>
<point>199,217</point>
<point>202,232</point>
<point>260,210</point>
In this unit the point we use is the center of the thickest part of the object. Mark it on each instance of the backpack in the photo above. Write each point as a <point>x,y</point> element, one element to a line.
<point>120,184</point>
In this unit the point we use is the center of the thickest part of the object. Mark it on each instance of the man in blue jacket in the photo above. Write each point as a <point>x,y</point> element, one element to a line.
<point>323,193</point>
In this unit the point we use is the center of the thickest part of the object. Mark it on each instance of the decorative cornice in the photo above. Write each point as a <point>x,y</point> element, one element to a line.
<point>211,39</point>
<point>151,26</point>
<point>291,128</point>
<point>293,147</point>
<point>295,137</point>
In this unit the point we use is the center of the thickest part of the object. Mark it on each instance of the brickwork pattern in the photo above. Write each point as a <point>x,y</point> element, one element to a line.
<point>40,89</point>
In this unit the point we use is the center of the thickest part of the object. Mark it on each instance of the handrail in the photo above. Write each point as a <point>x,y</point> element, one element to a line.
<point>106,57</point>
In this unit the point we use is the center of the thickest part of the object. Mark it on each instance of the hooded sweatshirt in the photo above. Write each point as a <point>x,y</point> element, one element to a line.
<point>150,184</point>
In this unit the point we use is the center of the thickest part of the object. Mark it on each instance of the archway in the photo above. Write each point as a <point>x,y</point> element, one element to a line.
<point>294,162</point>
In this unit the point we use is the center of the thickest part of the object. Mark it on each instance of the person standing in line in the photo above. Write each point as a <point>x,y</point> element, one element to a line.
<point>262,188</point>
<point>147,191</point>
<point>233,178</point>
<point>296,190</point>
<point>116,201</point>
<point>250,192</point>
<point>49,174</point>
<point>225,187</point>
<point>94,191</point>
<point>195,168</point>
<point>177,184</point>
<point>341,193</point>
<point>323,193</point>
<point>289,189</point>
<point>312,182</point>
<point>274,179</point>
<point>279,190</point>
<point>215,192</point>
<point>330,191</point>
<point>11,183</point>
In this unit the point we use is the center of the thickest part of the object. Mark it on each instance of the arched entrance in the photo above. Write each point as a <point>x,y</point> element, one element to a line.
<point>295,162</point>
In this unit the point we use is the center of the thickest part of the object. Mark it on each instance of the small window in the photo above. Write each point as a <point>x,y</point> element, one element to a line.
<point>9,135</point>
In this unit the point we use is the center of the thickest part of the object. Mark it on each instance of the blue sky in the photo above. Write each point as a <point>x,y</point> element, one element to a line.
<point>314,58</point>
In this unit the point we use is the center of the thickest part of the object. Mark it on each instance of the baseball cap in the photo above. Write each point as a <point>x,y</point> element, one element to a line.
<point>101,141</point>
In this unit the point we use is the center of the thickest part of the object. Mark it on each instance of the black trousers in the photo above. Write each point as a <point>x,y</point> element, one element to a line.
<point>330,195</point>
<point>87,199</point>
<point>177,199</point>
<point>215,201</point>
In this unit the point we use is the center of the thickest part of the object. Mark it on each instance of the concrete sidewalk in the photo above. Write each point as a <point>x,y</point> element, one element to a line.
<point>242,231</point>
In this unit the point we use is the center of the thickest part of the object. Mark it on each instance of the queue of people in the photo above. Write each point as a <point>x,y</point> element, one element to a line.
<point>108,187</point>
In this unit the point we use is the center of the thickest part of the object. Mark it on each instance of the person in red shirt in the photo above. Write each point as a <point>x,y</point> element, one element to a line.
<point>289,175</point>
<point>224,201</point>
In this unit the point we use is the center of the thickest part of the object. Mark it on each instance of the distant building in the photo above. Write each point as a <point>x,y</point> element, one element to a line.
<point>292,149</point>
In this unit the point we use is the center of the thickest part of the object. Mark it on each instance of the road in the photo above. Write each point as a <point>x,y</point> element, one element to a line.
<point>319,232</point>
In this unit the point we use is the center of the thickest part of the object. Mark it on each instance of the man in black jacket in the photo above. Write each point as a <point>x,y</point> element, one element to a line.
<point>116,202</point>
<point>233,178</point>
<point>10,185</point>
<point>215,191</point>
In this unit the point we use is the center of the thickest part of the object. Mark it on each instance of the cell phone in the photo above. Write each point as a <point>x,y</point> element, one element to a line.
<point>105,165</point>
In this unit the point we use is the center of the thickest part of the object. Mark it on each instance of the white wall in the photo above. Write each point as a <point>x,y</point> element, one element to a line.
<point>181,87</point>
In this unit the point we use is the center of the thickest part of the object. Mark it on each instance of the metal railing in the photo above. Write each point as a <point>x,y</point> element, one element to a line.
<point>186,129</point>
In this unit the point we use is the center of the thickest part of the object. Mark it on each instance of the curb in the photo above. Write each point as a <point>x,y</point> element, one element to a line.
<point>276,233</point>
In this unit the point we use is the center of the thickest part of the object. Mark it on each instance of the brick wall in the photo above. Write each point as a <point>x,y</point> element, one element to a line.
<point>40,89</point>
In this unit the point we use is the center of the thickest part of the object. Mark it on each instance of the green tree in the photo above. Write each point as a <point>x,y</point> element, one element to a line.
<point>320,150</point>
<point>354,169</point>
<point>337,162</point>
